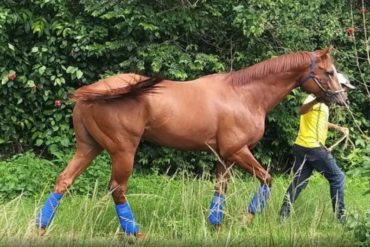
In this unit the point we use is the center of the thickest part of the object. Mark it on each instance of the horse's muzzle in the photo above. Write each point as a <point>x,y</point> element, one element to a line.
<point>340,99</point>
<point>335,98</point>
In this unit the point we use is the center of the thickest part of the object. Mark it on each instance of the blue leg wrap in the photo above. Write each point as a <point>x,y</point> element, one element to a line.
<point>216,209</point>
<point>126,219</point>
<point>258,202</point>
<point>47,212</point>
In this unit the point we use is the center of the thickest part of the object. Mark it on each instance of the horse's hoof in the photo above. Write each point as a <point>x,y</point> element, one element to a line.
<point>140,236</point>
<point>218,228</point>
<point>132,238</point>
<point>41,232</point>
<point>249,218</point>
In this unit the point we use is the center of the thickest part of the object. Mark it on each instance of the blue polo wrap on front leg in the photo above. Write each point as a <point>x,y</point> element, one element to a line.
<point>216,214</point>
<point>47,212</point>
<point>126,219</point>
<point>258,202</point>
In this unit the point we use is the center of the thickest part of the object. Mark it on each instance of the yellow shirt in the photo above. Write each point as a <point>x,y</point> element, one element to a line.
<point>313,125</point>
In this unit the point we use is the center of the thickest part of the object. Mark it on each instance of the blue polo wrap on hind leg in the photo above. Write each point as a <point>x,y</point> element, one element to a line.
<point>216,209</point>
<point>258,202</point>
<point>126,219</point>
<point>47,212</point>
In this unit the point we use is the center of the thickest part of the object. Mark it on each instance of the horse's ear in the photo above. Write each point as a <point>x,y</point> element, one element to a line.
<point>324,52</point>
<point>328,49</point>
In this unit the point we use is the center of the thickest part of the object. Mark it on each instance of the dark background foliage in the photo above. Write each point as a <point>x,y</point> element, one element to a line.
<point>55,46</point>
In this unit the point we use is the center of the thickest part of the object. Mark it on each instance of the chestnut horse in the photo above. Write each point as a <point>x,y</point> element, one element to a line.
<point>224,112</point>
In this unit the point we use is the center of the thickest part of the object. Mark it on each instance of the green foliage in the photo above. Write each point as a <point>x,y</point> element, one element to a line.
<point>25,174</point>
<point>29,175</point>
<point>96,176</point>
<point>169,161</point>
<point>55,46</point>
<point>360,163</point>
<point>360,225</point>
<point>360,167</point>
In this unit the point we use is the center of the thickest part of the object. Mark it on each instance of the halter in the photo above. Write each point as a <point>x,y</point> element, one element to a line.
<point>312,75</point>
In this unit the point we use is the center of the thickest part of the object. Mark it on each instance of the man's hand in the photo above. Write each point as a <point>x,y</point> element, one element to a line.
<point>344,130</point>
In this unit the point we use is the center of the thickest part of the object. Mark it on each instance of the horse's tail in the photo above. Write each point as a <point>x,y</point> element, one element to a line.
<point>91,93</point>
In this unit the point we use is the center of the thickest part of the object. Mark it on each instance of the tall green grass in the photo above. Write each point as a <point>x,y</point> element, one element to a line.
<point>172,211</point>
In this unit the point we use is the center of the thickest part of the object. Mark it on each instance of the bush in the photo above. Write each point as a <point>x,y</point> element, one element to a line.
<point>30,175</point>
<point>50,47</point>
<point>25,174</point>
<point>360,225</point>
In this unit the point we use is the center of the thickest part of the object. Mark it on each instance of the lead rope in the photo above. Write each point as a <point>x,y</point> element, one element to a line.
<point>317,134</point>
<point>328,149</point>
<point>353,117</point>
<point>346,136</point>
<point>317,128</point>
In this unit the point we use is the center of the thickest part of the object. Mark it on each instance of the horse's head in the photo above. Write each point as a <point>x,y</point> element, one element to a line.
<point>321,79</point>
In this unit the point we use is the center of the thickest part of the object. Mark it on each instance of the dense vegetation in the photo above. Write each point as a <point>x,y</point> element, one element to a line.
<point>50,47</point>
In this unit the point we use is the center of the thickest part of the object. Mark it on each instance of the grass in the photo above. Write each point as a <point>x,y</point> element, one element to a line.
<point>172,211</point>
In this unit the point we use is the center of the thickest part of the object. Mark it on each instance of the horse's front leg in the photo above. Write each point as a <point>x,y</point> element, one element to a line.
<point>245,159</point>
<point>215,216</point>
<point>85,153</point>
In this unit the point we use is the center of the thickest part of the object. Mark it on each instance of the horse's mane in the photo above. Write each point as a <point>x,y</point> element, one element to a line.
<point>95,91</point>
<point>132,84</point>
<point>275,65</point>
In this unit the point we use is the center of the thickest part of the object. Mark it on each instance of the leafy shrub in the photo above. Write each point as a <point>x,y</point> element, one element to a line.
<point>25,174</point>
<point>360,167</point>
<point>167,160</point>
<point>55,46</point>
<point>360,163</point>
<point>360,225</point>
<point>96,177</point>
<point>30,175</point>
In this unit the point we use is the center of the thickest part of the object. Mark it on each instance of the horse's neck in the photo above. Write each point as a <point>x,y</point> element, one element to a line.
<point>269,92</point>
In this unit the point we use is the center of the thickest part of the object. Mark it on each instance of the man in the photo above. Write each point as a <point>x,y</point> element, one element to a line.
<point>311,154</point>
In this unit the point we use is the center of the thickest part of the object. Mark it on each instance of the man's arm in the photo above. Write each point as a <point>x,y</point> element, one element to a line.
<point>336,127</point>
<point>307,107</point>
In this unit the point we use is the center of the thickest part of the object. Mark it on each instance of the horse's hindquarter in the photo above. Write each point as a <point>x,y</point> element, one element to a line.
<point>113,124</point>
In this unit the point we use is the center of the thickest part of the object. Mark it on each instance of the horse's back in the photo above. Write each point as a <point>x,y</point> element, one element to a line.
<point>186,115</point>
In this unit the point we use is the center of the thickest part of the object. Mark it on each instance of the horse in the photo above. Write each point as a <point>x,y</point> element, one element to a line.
<point>221,112</point>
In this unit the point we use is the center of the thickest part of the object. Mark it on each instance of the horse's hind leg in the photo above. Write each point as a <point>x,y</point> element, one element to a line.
<point>122,166</point>
<point>87,150</point>
<point>215,216</point>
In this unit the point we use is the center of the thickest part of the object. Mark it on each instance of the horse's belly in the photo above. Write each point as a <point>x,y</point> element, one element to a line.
<point>183,141</point>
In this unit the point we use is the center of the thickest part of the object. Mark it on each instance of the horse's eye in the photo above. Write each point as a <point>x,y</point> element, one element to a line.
<point>330,72</point>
